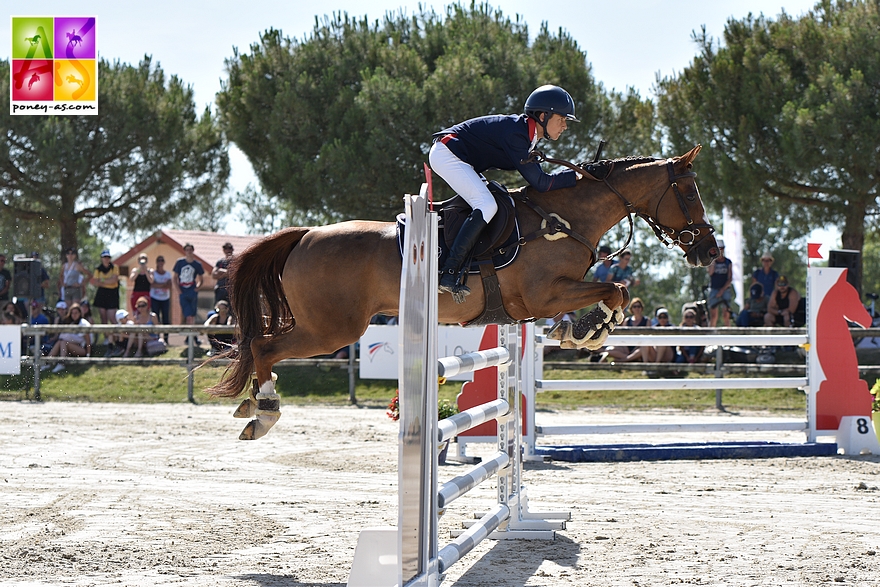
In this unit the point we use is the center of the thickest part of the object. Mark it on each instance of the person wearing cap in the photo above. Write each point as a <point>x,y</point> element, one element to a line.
<point>72,278</point>
<point>600,273</point>
<point>60,312</point>
<point>766,275</point>
<point>689,354</point>
<point>754,308</point>
<point>106,279</point>
<point>720,290</point>
<point>220,274</point>
<point>122,317</point>
<point>659,354</point>
<point>188,279</point>
<point>160,293</point>
<point>461,153</point>
<point>37,315</point>
<point>782,304</point>
<point>142,279</point>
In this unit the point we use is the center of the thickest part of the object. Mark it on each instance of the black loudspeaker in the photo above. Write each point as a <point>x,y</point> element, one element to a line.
<point>26,278</point>
<point>851,260</point>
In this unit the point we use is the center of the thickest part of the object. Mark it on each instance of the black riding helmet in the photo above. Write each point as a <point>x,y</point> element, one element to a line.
<point>551,100</point>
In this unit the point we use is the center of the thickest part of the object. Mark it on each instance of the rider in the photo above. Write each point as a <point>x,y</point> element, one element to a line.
<point>462,152</point>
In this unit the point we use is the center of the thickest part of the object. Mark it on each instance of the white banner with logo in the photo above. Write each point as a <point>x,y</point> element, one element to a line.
<point>10,350</point>
<point>379,351</point>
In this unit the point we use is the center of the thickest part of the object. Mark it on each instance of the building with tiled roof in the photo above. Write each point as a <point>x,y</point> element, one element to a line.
<point>208,249</point>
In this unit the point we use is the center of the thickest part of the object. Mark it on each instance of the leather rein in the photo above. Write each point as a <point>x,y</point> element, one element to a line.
<point>668,236</point>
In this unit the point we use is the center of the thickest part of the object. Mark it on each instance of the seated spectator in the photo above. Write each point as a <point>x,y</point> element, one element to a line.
<point>636,318</point>
<point>659,354</point>
<point>139,340</point>
<point>623,271</point>
<point>10,316</point>
<point>766,275</point>
<point>220,342</point>
<point>754,308</point>
<point>71,344</point>
<point>603,265</point>
<point>121,338</point>
<point>782,304</point>
<point>689,354</point>
<point>60,318</point>
<point>37,315</point>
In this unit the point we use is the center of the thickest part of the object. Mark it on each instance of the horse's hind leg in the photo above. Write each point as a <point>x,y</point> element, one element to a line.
<point>264,403</point>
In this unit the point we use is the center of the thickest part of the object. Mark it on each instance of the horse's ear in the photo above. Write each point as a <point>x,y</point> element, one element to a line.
<point>689,157</point>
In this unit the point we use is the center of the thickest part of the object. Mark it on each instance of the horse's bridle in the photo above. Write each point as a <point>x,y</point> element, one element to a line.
<point>669,237</point>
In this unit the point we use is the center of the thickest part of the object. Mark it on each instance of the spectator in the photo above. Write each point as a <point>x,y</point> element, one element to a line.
<point>754,308</point>
<point>160,293</point>
<point>600,273</point>
<point>720,279</point>
<point>142,316</point>
<point>659,354</point>
<point>188,279</point>
<point>37,315</point>
<point>220,273</point>
<point>122,317</point>
<point>10,316</point>
<point>71,279</point>
<point>636,318</point>
<point>86,310</point>
<point>623,271</point>
<point>782,304</point>
<point>71,344</point>
<point>5,279</point>
<point>106,279</point>
<point>689,354</point>
<point>140,276</point>
<point>60,312</point>
<point>766,275</point>
<point>220,342</point>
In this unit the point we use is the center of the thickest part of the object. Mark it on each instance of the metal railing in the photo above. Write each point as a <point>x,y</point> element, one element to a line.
<point>190,362</point>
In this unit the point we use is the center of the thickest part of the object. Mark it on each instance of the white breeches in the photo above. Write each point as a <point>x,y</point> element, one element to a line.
<point>462,178</point>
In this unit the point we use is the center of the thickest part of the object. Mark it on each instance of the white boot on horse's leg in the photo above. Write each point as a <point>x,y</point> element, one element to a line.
<point>248,407</point>
<point>268,411</point>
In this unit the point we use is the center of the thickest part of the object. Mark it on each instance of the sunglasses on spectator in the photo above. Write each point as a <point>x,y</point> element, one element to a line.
<point>636,306</point>
<point>141,305</point>
<point>661,316</point>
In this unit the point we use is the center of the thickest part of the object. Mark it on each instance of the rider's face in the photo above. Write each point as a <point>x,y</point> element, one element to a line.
<point>556,126</point>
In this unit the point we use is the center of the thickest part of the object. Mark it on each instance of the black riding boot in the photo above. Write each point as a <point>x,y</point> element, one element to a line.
<point>461,248</point>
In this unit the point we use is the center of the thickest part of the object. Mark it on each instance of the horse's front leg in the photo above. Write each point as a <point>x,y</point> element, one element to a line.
<point>593,328</point>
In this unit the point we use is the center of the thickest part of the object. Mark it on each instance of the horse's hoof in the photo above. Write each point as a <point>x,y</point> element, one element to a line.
<point>560,331</point>
<point>246,409</point>
<point>249,431</point>
<point>259,426</point>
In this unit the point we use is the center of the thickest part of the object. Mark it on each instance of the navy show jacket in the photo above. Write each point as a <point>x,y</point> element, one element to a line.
<point>502,142</point>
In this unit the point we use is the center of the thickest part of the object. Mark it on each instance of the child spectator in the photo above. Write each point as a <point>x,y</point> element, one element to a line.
<point>689,354</point>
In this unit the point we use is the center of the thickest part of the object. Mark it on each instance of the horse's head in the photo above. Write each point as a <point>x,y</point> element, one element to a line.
<point>676,212</point>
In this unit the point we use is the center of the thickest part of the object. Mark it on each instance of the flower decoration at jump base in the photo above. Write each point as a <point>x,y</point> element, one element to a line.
<point>445,408</point>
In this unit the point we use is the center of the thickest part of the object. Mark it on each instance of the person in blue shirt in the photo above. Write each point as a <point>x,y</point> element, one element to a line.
<point>464,151</point>
<point>766,275</point>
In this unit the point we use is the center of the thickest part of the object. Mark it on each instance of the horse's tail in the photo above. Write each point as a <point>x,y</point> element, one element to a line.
<point>256,296</point>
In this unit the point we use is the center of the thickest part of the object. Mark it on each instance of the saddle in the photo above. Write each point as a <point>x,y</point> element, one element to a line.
<point>496,238</point>
<point>497,248</point>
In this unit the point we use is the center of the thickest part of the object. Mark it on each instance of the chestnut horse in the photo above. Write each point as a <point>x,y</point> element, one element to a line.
<point>309,291</point>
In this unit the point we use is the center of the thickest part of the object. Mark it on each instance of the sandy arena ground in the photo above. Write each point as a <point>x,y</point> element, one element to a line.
<point>156,495</point>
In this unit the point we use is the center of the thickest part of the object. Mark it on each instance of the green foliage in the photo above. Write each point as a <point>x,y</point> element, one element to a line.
<point>144,159</point>
<point>789,113</point>
<point>339,124</point>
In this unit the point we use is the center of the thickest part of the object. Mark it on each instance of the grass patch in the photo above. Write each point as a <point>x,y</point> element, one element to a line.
<point>329,386</point>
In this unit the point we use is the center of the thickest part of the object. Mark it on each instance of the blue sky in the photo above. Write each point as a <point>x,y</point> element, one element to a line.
<point>628,42</point>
